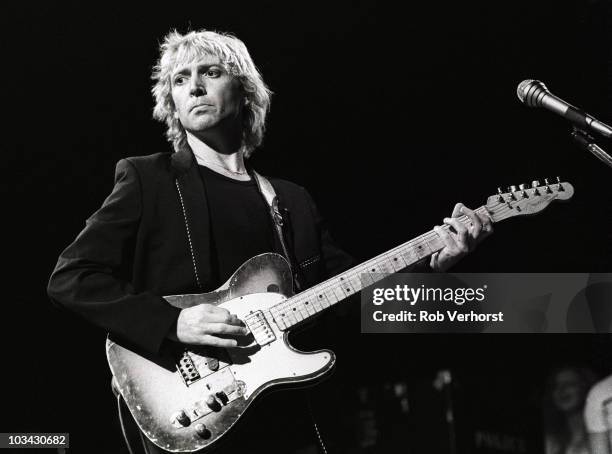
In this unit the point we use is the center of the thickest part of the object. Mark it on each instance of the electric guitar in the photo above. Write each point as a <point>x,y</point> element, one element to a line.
<point>189,397</point>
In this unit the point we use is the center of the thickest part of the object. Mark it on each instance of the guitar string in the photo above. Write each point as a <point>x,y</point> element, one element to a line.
<point>291,304</point>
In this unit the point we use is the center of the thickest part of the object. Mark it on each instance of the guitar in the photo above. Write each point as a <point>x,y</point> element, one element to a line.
<point>188,397</point>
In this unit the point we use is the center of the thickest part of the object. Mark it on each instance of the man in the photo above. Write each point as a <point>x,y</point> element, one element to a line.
<point>598,416</point>
<point>182,222</point>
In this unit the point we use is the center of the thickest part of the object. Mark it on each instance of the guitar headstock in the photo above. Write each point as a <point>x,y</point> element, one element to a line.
<point>522,200</point>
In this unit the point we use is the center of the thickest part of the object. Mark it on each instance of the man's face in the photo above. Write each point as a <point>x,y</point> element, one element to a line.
<point>207,99</point>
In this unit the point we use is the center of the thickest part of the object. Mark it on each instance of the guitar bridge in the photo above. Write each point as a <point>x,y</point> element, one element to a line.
<point>260,328</point>
<point>188,369</point>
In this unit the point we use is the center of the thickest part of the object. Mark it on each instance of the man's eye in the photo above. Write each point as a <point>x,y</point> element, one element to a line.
<point>179,80</point>
<point>213,73</point>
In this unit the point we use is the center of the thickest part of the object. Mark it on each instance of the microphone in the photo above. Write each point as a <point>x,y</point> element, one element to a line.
<point>535,94</point>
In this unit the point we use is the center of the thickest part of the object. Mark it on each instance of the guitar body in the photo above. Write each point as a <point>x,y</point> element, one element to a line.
<point>187,398</point>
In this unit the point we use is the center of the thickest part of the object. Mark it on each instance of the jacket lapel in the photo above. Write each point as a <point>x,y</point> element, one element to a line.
<point>195,205</point>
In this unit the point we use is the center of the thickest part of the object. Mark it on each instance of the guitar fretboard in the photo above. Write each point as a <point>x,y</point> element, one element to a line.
<point>309,303</point>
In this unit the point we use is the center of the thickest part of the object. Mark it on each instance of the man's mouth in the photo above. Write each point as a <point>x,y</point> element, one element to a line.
<point>198,106</point>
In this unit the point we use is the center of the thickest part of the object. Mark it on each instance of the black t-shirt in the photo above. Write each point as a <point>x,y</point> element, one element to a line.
<point>241,226</point>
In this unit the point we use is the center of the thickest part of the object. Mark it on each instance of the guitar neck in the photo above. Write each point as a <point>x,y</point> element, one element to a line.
<point>309,303</point>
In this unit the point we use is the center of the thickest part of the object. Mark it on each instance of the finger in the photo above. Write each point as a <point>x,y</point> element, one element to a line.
<point>457,210</point>
<point>220,315</point>
<point>215,341</point>
<point>447,239</point>
<point>487,223</point>
<point>461,238</point>
<point>224,328</point>
<point>476,223</point>
<point>433,262</point>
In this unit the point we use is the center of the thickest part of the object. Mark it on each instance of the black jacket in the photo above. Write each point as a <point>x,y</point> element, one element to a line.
<point>136,248</point>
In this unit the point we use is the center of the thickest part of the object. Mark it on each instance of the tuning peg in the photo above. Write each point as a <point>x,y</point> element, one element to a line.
<point>535,183</point>
<point>548,190</point>
<point>512,190</point>
<point>522,186</point>
<point>560,188</point>
<point>501,196</point>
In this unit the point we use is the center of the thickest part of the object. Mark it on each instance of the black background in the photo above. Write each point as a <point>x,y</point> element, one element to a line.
<point>388,114</point>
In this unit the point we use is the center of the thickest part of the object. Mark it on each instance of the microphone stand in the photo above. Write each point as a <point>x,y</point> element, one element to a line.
<point>587,142</point>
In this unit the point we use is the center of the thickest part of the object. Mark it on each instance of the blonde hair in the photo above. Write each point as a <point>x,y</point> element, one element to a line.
<point>179,49</point>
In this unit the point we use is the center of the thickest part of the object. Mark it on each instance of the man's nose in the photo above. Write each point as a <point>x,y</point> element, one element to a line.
<point>197,87</point>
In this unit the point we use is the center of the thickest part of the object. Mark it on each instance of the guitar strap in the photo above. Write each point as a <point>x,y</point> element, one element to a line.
<point>267,190</point>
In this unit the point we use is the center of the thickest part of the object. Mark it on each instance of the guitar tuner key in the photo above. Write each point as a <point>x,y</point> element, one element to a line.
<point>560,188</point>
<point>500,199</point>
<point>535,183</point>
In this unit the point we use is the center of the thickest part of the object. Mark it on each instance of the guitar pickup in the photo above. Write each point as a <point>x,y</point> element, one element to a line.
<point>260,328</point>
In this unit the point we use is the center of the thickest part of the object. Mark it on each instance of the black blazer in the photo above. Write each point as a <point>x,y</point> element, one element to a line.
<point>136,248</point>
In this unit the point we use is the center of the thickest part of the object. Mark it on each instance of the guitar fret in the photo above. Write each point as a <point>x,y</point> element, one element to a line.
<point>345,286</point>
<point>409,256</point>
<point>422,250</point>
<point>338,293</point>
<point>322,298</point>
<point>396,264</point>
<point>309,308</point>
<point>355,282</point>
<point>315,302</point>
<point>366,279</point>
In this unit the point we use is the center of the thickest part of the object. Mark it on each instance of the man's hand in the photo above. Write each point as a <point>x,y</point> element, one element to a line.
<point>463,240</point>
<point>206,324</point>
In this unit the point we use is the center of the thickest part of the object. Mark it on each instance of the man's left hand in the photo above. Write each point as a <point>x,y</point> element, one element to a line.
<point>463,239</point>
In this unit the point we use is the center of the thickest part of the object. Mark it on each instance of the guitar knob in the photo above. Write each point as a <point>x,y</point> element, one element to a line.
<point>222,397</point>
<point>202,431</point>
<point>180,418</point>
<point>212,403</point>
<point>535,183</point>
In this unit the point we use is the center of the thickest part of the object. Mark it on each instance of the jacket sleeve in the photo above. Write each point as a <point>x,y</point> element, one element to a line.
<point>93,275</point>
<point>335,260</point>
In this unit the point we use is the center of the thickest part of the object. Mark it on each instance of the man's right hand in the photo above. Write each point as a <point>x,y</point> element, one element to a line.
<point>206,324</point>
